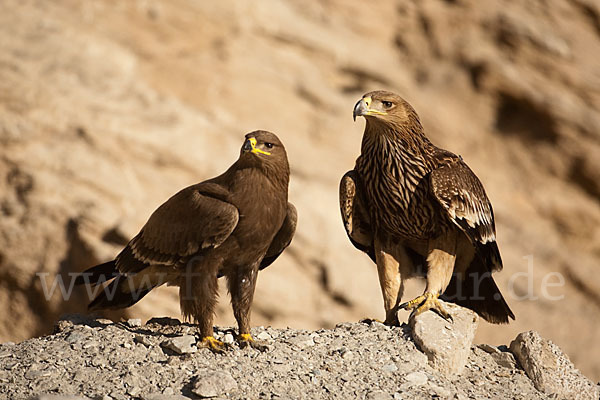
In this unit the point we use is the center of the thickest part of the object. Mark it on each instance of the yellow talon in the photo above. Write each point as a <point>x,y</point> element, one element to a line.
<point>427,301</point>
<point>246,337</point>
<point>245,340</point>
<point>213,344</point>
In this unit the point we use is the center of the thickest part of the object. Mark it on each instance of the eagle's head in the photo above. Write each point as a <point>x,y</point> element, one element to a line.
<point>384,106</point>
<point>264,149</point>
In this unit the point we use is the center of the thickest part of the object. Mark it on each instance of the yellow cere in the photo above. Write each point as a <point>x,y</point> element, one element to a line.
<point>368,101</point>
<point>255,150</point>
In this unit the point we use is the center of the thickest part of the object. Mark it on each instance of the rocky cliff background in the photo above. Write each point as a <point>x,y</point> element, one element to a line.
<point>109,107</point>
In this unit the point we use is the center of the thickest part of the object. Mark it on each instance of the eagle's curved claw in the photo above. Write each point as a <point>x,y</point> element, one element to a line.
<point>246,340</point>
<point>427,301</point>
<point>216,346</point>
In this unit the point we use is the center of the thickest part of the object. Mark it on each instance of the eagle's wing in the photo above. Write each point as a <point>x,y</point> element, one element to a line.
<point>196,218</point>
<point>355,214</point>
<point>283,238</point>
<point>463,198</point>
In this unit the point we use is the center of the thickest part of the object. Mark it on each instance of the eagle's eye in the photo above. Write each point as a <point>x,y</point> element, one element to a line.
<point>268,145</point>
<point>387,104</point>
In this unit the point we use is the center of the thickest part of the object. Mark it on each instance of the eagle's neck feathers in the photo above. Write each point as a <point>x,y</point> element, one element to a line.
<point>400,155</point>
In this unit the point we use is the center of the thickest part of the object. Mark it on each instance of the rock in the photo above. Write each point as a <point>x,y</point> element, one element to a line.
<point>161,396</point>
<point>134,322</point>
<point>503,358</point>
<point>301,341</point>
<point>213,384</point>
<point>77,337</point>
<point>228,338</point>
<point>446,344</point>
<point>58,397</point>
<point>263,336</point>
<point>378,395</point>
<point>390,368</point>
<point>550,370</point>
<point>416,378</point>
<point>488,348</point>
<point>142,339</point>
<point>181,344</point>
<point>347,354</point>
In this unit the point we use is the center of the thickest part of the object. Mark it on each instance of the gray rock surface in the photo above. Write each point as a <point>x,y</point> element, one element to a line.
<point>550,369</point>
<point>447,344</point>
<point>351,361</point>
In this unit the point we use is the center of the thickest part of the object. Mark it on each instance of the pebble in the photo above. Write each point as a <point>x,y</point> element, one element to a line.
<point>228,338</point>
<point>213,384</point>
<point>301,341</point>
<point>76,337</point>
<point>134,322</point>
<point>142,339</point>
<point>390,368</point>
<point>165,397</point>
<point>181,344</point>
<point>488,348</point>
<point>504,359</point>
<point>263,336</point>
<point>416,378</point>
<point>378,395</point>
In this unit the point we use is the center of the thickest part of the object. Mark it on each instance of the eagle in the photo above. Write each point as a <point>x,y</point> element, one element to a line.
<point>419,211</point>
<point>232,225</point>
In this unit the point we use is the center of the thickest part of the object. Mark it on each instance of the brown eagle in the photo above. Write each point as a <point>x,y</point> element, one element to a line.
<point>418,210</point>
<point>233,225</point>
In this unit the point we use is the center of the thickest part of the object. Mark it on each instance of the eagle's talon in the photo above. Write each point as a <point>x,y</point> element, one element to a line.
<point>245,340</point>
<point>414,303</point>
<point>216,346</point>
<point>427,301</point>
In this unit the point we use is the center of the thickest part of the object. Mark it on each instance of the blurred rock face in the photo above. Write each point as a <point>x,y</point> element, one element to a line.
<point>108,108</point>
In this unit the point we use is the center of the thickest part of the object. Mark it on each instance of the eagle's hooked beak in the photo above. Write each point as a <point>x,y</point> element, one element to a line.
<point>362,108</point>
<point>247,145</point>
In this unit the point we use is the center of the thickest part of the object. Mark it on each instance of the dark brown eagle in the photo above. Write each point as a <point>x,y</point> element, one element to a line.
<point>418,210</point>
<point>233,225</point>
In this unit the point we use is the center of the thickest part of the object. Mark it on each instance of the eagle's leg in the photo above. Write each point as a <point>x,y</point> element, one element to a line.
<point>242,283</point>
<point>440,265</point>
<point>198,297</point>
<point>390,282</point>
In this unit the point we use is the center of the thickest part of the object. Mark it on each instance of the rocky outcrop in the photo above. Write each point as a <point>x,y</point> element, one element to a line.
<point>103,360</point>
<point>108,108</point>
<point>447,344</point>
<point>550,370</point>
